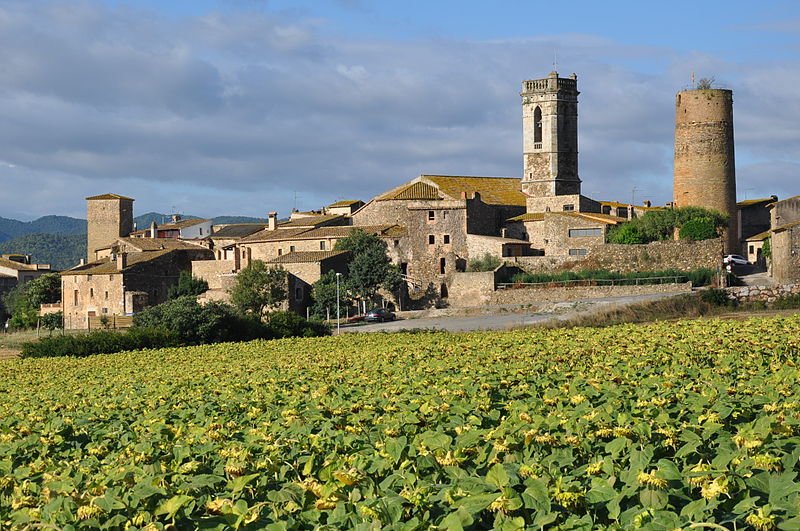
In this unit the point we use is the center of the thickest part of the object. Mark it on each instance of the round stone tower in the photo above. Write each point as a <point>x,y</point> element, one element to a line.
<point>705,173</point>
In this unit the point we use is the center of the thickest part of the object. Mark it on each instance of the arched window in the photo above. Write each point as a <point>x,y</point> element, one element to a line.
<point>537,126</point>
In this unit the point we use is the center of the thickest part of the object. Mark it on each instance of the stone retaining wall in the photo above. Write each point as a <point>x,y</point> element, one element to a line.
<point>656,256</point>
<point>525,295</point>
<point>765,294</point>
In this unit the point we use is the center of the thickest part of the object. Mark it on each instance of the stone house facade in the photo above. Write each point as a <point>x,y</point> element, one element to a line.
<point>122,284</point>
<point>304,268</point>
<point>441,216</point>
<point>108,216</point>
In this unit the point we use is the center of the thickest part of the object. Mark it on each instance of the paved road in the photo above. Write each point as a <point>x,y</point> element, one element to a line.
<point>501,321</point>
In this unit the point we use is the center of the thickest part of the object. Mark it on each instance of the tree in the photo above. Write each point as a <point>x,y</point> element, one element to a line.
<point>187,285</point>
<point>45,289</point>
<point>324,295</point>
<point>698,229</point>
<point>370,267</point>
<point>259,287</point>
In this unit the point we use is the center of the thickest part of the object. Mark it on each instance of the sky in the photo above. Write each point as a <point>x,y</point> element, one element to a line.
<point>241,107</point>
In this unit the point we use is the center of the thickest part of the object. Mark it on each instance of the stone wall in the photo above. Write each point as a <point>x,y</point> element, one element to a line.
<point>765,294</point>
<point>471,289</point>
<point>220,274</point>
<point>107,220</point>
<point>786,255</point>
<point>544,294</point>
<point>656,256</point>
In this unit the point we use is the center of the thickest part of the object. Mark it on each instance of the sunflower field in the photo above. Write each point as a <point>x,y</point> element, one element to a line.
<point>686,425</point>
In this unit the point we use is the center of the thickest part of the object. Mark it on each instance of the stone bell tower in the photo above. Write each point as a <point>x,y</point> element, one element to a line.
<point>550,136</point>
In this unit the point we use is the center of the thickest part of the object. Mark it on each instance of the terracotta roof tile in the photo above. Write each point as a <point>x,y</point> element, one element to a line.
<point>416,191</point>
<point>106,266</point>
<point>528,216</point>
<point>345,203</point>
<point>158,244</point>
<point>302,257</point>
<point>313,221</point>
<point>238,230</point>
<point>182,224</point>
<point>493,190</point>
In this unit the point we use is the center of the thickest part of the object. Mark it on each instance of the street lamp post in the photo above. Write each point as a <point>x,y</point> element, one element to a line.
<point>338,325</point>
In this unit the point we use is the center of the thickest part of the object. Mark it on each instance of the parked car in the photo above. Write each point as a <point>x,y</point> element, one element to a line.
<point>379,315</point>
<point>735,259</point>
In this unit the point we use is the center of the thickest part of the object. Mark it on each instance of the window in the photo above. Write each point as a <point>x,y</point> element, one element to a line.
<point>577,252</point>
<point>583,233</point>
<point>444,214</point>
<point>537,128</point>
<point>89,278</point>
<point>442,265</point>
<point>75,298</point>
<point>298,293</point>
<point>431,239</point>
<point>446,238</point>
<point>569,208</point>
<point>291,248</point>
<point>322,245</point>
<point>752,249</point>
<point>106,295</point>
<point>396,243</point>
<point>110,277</point>
<point>91,293</point>
<point>104,310</point>
<point>280,252</point>
<point>431,215</point>
<point>443,291</point>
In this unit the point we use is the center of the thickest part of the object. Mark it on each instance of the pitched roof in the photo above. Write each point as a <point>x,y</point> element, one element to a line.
<point>335,231</point>
<point>493,190</point>
<point>345,203</point>
<point>761,236</point>
<point>301,257</point>
<point>182,224</point>
<point>105,266</point>
<point>602,218</point>
<point>157,244</point>
<point>109,196</point>
<point>16,266</point>
<point>528,216</point>
<point>751,202</point>
<point>238,230</point>
<point>312,221</point>
<point>415,191</point>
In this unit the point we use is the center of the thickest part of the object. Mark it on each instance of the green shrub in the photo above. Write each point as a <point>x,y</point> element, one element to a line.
<point>100,342</point>
<point>487,262</point>
<point>626,233</point>
<point>289,324</point>
<point>698,229</point>
<point>661,224</point>
<point>197,324</point>
<point>187,286</point>
<point>52,321</point>
<point>790,302</point>
<point>716,297</point>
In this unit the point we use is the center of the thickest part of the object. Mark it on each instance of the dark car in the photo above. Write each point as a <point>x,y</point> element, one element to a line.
<point>379,315</point>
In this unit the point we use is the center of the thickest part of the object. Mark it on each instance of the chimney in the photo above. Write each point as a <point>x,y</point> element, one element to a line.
<point>176,218</point>
<point>273,221</point>
<point>647,204</point>
<point>153,232</point>
<point>122,261</point>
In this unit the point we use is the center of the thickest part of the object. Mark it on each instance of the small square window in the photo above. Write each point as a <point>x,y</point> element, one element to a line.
<point>446,238</point>
<point>431,239</point>
<point>291,248</point>
<point>431,215</point>
<point>322,245</point>
<point>280,252</point>
<point>396,243</point>
<point>569,208</point>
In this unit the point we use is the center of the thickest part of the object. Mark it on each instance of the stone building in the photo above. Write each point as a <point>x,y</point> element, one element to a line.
<point>304,268</point>
<point>785,244</point>
<point>753,226</point>
<point>705,170</point>
<point>550,146</point>
<point>17,269</point>
<point>178,228</point>
<point>442,216</point>
<point>122,284</point>
<point>563,233</point>
<point>108,216</point>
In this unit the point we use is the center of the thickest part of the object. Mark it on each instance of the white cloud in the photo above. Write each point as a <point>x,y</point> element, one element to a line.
<point>236,112</point>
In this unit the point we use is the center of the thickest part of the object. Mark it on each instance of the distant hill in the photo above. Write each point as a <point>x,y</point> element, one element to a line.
<point>12,228</point>
<point>61,251</point>
<point>143,221</point>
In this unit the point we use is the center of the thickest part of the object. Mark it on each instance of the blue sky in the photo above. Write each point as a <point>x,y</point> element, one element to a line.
<point>241,106</point>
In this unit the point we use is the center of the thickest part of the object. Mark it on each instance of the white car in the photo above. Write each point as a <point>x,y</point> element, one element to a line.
<point>735,259</point>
